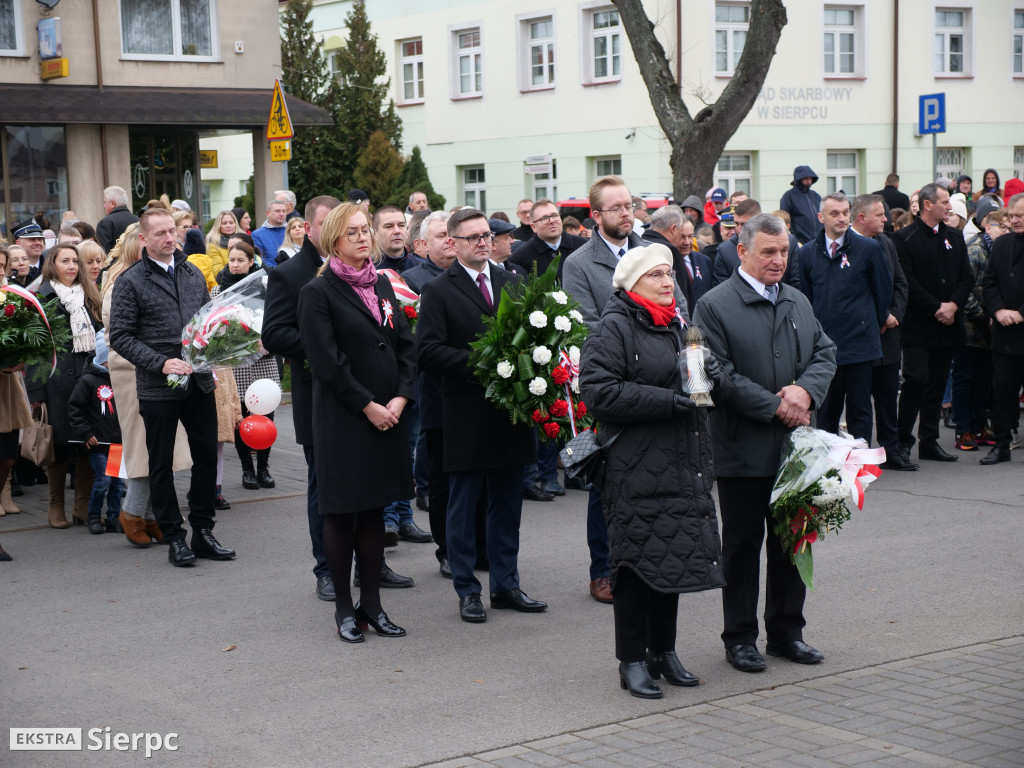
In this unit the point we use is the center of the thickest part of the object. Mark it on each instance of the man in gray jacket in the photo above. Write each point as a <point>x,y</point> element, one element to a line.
<point>153,300</point>
<point>780,363</point>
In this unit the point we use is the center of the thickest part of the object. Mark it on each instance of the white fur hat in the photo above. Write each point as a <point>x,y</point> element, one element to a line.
<point>636,262</point>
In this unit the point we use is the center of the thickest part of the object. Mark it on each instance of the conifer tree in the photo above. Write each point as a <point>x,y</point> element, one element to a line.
<point>378,168</point>
<point>414,178</point>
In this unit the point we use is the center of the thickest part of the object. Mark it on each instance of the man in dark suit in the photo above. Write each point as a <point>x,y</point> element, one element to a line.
<point>524,231</point>
<point>548,240</point>
<point>727,259</point>
<point>891,193</point>
<point>672,228</point>
<point>281,337</point>
<point>847,281</point>
<point>868,216</point>
<point>482,448</point>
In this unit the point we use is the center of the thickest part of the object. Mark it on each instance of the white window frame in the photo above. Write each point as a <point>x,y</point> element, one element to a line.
<point>731,179</point>
<point>175,38</point>
<point>589,36</point>
<point>416,62</point>
<point>19,32</point>
<point>477,188</point>
<point>835,178</point>
<point>730,28</point>
<point>965,32</point>
<point>474,54</point>
<point>544,185</point>
<point>951,162</point>
<point>1017,43</point>
<point>1018,163</point>
<point>332,66</point>
<point>835,32</point>
<point>527,44</point>
<point>613,159</point>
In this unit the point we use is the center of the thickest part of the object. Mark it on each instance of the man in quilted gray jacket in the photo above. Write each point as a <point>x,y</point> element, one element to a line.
<point>153,300</point>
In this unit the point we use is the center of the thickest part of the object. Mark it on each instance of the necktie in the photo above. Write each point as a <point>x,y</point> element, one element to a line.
<point>170,271</point>
<point>482,282</point>
<point>835,247</point>
<point>689,269</point>
<point>622,252</point>
<point>771,292</point>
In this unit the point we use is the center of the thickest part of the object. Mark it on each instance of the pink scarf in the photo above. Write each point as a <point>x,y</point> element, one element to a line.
<point>362,282</point>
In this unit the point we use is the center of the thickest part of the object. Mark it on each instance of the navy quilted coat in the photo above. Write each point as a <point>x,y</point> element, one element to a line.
<point>657,489</point>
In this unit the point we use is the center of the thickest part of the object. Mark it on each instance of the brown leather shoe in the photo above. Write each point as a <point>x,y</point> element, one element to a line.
<point>601,589</point>
<point>153,530</point>
<point>134,529</point>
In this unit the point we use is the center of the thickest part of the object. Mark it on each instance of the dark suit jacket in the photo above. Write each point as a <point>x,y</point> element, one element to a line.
<point>477,435</point>
<point>281,334</point>
<point>728,259</point>
<point>537,251</point>
<point>891,349</point>
<point>894,198</point>
<point>1002,286</point>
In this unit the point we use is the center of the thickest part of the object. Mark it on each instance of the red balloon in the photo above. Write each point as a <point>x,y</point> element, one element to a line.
<point>258,432</point>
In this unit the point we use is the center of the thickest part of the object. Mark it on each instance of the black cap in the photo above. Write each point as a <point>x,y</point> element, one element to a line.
<point>357,196</point>
<point>500,227</point>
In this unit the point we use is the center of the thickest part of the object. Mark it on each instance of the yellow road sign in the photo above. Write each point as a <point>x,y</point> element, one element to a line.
<point>280,150</point>
<point>207,158</point>
<point>279,124</point>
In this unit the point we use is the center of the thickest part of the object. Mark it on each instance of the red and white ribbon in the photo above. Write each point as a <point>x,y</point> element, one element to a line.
<point>403,292</point>
<point>17,290</point>
<point>859,465</point>
<point>106,396</point>
<point>565,363</point>
<point>389,311</point>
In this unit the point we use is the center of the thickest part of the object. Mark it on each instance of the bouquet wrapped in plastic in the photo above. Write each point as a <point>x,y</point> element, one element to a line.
<point>819,485</point>
<point>226,331</point>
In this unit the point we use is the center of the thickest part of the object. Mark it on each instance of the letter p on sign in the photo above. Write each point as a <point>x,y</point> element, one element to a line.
<point>931,113</point>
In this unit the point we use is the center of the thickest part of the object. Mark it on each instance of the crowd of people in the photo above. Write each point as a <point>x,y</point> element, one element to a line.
<point>831,311</point>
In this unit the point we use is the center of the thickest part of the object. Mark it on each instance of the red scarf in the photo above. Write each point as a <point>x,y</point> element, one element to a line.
<point>659,315</point>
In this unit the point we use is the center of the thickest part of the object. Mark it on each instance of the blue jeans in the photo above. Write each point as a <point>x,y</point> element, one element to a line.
<point>398,512</point>
<point>104,485</point>
<point>545,470</point>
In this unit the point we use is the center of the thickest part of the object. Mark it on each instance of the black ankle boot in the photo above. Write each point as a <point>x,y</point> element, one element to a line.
<point>633,675</point>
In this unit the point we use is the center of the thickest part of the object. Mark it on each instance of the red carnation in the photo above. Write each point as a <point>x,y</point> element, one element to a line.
<point>9,310</point>
<point>559,376</point>
<point>559,408</point>
<point>539,417</point>
<point>581,410</point>
<point>410,311</point>
<point>551,429</point>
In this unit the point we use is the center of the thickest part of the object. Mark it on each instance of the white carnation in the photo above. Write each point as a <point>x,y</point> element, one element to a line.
<point>560,297</point>
<point>562,323</point>
<point>538,319</point>
<point>575,315</point>
<point>538,386</point>
<point>505,369</point>
<point>574,355</point>
<point>542,355</point>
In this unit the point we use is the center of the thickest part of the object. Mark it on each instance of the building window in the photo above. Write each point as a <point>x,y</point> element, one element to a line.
<point>734,173</point>
<point>468,62</point>
<point>11,43</point>
<point>206,214</point>
<point>162,29</point>
<point>952,37</point>
<point>1018,42</point>
<point>36,168</point>
<point>607,166</point>
<point>602,36</point>
<point>731,22</point>
<point>334,64</point>
<point>538,53</point>
<point>951,161</point>
<point>411,63</point>
<point>1018,162</point>
<point>842,36</point>
<point>841,173</point>
<point>474,192</point>
<point>545,185</point>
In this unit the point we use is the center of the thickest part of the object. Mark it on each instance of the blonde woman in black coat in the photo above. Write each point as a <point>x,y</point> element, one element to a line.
<point>361,354</point>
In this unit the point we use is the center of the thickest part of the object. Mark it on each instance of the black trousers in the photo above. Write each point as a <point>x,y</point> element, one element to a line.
<point>644,619</point>
<point>743,502</point>
<point>198,414</point>
<point>437,496</point>
<point>925,372</point>
<point>1007,379</point>
<point>850,388</point>
<point>885,387</point>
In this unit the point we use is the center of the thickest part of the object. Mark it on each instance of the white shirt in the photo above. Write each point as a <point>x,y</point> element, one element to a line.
<point>164,267</point>
<point>828,244</point>
<point>613,248</point>
<point>753,282</point>
<point>474,275</point>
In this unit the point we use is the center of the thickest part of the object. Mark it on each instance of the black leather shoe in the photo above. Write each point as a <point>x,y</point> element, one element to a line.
<point>534,493</point>
<point>95,525</point>
<point>900,462</point>
<point>422,502</point>
<point>634,677</point>
<point>382,625</point>
<point>348,629</point>
<point>390,536</point>
<point>249,480</point>
<point>265,480</point>
<point>179,554</point>
<point>391,580</point>
<point>446,568</point>
<point>325,588</point>
<point>412,532</point>
<point>553,487</point>
<point>796,650</point>
<point>220,502</point>
<point>996,456</point>
<point>517,600</point>
<point>471,609</point>
<point>934,452</point>
<point>668,664</point>
<point>204,544</point>
<point>745,658</point>
<point>575,484</point>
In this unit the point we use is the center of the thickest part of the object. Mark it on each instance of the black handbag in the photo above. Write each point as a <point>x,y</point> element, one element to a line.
<point>584,457</point>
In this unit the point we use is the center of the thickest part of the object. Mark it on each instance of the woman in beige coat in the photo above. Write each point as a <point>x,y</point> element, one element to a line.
<point>229,416</point>
<point>136,518</point>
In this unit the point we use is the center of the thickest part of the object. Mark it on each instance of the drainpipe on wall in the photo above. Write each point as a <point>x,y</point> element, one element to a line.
<point>895,84</point>
<point>99,86</point>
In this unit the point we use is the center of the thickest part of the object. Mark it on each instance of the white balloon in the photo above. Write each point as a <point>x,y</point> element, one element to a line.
<point>263,396</point>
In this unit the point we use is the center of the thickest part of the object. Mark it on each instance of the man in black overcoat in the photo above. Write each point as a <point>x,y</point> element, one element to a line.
<point>482,448</point>
<point>548,241</point>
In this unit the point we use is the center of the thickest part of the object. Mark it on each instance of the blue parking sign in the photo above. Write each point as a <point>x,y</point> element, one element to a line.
<point>931,113</point>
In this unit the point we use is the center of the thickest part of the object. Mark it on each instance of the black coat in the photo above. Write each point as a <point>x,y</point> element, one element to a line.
<point>536,251</point>
<point>1003,288</point>
<point>281,334</point>
<point>477,435</point>
<point>93,416</point>
<point>113,225</point>
<point>894,198</point>
<point>891,346</point>
<point>657,490</point>
<point>355,361</point>
<point>937,270</point>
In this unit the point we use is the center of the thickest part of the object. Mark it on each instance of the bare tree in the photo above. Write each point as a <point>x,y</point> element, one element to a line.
<point>697,141</point>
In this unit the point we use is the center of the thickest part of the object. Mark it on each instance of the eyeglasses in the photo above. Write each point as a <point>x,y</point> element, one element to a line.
<point>658,276</point>
<point>546,219</point>
<point>487,237</point>
<point>355,235</point>
<point>618,209</point>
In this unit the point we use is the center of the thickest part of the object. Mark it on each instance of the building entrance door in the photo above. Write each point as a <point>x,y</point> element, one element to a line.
<point>164,163</point>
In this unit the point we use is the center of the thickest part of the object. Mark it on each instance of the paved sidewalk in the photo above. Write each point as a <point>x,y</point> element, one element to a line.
<point>962,708</point>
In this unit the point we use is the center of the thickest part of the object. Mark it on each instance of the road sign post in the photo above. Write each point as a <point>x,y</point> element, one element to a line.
<point>931,118</point>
